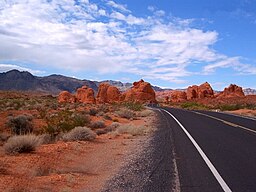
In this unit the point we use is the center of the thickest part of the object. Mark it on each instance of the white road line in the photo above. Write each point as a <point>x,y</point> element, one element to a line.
<point>216,174</point>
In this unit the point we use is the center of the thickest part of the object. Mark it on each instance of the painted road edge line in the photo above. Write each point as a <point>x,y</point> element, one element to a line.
<point>216,174</point>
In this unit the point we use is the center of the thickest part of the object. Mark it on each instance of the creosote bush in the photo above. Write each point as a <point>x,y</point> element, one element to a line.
<point>125,113</point>
<point>21,144</point>
<point>79,134</point>
<point>20,125</point>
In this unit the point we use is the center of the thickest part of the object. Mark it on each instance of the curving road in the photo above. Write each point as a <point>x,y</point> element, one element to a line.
<point>194,151</point>
<point>227,141</point>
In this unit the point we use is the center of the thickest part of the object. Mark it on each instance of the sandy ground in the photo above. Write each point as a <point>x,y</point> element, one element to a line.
<point>244,112</point>
<point>71,166</point>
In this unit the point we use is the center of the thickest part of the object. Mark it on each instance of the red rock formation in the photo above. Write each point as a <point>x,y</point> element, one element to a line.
<point>231,91</point>
<point>178,96</point>
<point>66,97</point>
<point>140,92</point>
<point>85,95</point>
<point>108,94</point>
<point>203,91</point>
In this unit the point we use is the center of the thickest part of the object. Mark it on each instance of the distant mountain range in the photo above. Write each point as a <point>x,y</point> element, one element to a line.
<point>53,84</point>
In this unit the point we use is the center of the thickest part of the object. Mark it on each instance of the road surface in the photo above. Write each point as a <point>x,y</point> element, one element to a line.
<point>195,151</point>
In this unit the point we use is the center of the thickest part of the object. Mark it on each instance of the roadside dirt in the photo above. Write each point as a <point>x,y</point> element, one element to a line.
<point>71,166</point>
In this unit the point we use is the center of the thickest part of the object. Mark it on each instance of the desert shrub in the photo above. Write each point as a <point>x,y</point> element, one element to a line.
<point>145,113</point>
<point>21,144</point>
<point>100,113</point>
<point>65,121</point>
<point>97,124</point>
<point>104,108</point>
<point>250,106</point>
<point>4,137</point>
<point>231,107</point>
<point>101,131</point>
<point>134,106</point>
<point>193,105</point>
<point>79,134</point>
<point>115,120</point>
<point>45,139</point>
<point>125,113</point>
<point>107,117</point>
<point>93,111</point>
<point>131,129</point>
<point>112,127</point>
<point>20,125</point>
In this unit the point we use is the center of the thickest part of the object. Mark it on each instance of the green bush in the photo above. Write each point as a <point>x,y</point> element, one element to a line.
<point>65,121</point>
<point>134,106</point>
<point>231,107</point>
<point>193,105</point>
<point>79,134</point>
<point>20,125</point>
<point>21,144</point>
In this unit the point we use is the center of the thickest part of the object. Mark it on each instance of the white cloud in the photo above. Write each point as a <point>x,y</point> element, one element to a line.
<point>230,62</point>
<point>118,6</point>
<point>71,36</point>
<point>8,67</point>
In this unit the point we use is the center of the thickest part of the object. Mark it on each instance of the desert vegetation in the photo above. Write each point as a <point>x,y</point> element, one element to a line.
<point>35,129</point>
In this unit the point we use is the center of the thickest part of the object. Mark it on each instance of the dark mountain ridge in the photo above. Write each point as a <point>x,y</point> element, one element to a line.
<point>53,84</point>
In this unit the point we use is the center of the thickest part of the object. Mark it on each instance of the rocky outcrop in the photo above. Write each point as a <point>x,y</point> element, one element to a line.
<point>85,95</point>
<point>199,92</point>
<point>66,97</point>
<point>108,94</point>
<point>141,92</point>
<point>231,91</point>
<point>178,96</point>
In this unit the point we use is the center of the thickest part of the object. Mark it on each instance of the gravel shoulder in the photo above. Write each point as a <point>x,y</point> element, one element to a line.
<point>152,166</point>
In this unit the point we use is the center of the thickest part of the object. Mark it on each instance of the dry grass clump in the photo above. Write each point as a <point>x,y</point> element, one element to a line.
<point>79,134</point>
<point>131,129</point>
<point>145,113</point>
<point>125,113</point>
<point>20,125</point>
<point>21,144</point>
<point>97,124</point>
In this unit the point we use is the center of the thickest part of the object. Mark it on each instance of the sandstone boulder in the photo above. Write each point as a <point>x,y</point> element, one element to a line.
<point>66,97</point>
<point>178,96</point>
<point>199,92</point>
<point>231,91</point>
<point>85,95</point>
<point>141,92</point>
<point>108,94</point>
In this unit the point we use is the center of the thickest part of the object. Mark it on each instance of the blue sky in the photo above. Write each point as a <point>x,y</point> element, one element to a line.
<point>170,43</point>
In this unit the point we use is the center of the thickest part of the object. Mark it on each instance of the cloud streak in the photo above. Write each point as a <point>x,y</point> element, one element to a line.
<point>107,38</point>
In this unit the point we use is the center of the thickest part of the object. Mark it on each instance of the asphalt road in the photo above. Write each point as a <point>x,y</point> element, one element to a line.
<point>228,141</point>
<point>193,151</point>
